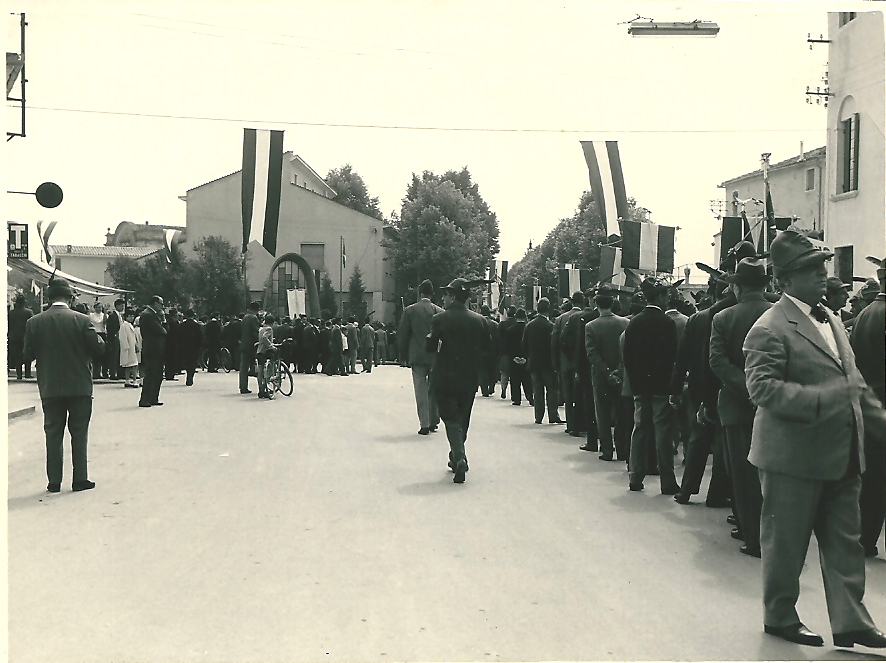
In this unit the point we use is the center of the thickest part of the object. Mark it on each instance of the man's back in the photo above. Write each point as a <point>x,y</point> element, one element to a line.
<point>537,344</point>
<point>249,331</point>
<point>869,345</point>
<point>63,342</point>
<point>650,349</point>
<point>460,336</point>
<point>414,327</point>
<point>16,321</point>
<point>602,335</point>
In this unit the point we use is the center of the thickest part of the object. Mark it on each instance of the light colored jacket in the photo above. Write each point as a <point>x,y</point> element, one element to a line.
<point>130,345</point>
<point>414,327</point>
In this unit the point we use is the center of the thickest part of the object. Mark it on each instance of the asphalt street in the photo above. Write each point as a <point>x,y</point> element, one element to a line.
<point>321,527</point>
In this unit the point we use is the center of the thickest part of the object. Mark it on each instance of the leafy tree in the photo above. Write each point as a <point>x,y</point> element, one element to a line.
<point>350,191</point>
<point>151,276</point>
<point>328,306</point>
<point>356,289</point>
<point>214,278</point>
<point>446,230</point>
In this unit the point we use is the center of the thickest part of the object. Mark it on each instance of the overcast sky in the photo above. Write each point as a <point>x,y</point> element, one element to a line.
<point>132,103</point>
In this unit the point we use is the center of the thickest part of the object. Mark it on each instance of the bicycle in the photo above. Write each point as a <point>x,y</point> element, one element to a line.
<point>225,361</point>
<point>278,376</point>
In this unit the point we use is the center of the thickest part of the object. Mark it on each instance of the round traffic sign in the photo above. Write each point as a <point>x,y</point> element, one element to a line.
<point>49,194</point>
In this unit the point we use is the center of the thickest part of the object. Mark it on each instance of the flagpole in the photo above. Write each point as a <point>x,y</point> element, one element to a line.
<point>764,158</point>
<point>341,297</point>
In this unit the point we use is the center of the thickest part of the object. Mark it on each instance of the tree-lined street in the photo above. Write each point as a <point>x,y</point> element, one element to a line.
<point>321,527</point>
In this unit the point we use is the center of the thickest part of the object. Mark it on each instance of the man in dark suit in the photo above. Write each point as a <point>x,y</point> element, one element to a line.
<point>231,333</point>
<point>868,334</point>
<point>15,336</point>
<point>602,347</point>
<point>172,344</point>
<point>190,337</point>
<point>414,327</point>
<point>574,335</point>
<point>323,339</point>
<point>489,360</point>
<point>512,346</point>
<point>813,408</point>
<point>504,362</point>
<point>213,333</point>
<point>248,338</point>
<point>564,364</point>
<point>153,351</point>
<point>353,333</point>
<point>458,337</point>
<point>537,351</point>
<point>112,328</point>
<point>650,349</point>
<point>736,412</point>
<point>63,342</point>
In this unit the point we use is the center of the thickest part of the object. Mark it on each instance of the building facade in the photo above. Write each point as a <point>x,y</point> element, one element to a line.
<point>91,263</point>
<point>855,210</point>
<point>311,224</point>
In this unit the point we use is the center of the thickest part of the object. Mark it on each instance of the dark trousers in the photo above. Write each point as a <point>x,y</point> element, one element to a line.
<point>99,362</point>
<point>703,441</point>
<point>113,354</point>
<point>190,365</point>
<point>519,377</point>
<point>151,381</point>
<point>247,359</point>
<point>16,351</point>
<point>455,411</point>
<point>172,360</point>
<point>504,366</point>
<point>585,393</point>
<point>544,392</point>
<point>75,411</point>
<point>653,425</point>
<point>873,492</point>
<point>612,410</point>
<point>748,500</point>
<point>488,373</point>
<point>212,351</point>
<point>366,362</point>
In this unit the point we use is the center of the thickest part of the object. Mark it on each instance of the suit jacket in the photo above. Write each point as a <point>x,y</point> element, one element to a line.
<point>693,357</point>
<point>458,337</point>
<point>680,320</point>
<point>63,342</point>
<point>602,343</point>
<point>249,332</point>
<point>190,338</point>
<point>572,339</point>
<point>367,340</point>
<point>650,351</point>
<point>561,361</point>
<point>353,335</point>
<point>729,329</point>
<point>153,335</point>
<point>414,327</point>
<point>869,345</point>
<point>16,320</point>
<point>575,330</point>
<point>808,417</point>
<point>537,344</point>
<point>112,326</point>
<point>213,331</point>
<point>512,339</point>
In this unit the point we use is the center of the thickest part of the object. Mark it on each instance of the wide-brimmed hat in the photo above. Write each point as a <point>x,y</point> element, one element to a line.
<point>792,250</point>
<point>606,290</point>
<point>749,271</point>
<point>59,287</point>
<point>835,283</point>
<point>870,289</point>
<point>652,287</point>
<point>458,287</point>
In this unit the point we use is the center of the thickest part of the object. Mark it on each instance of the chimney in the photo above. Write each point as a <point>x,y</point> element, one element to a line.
<point>802,154</point>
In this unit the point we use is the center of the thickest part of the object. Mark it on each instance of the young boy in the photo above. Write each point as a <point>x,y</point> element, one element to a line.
<point>264,351</point>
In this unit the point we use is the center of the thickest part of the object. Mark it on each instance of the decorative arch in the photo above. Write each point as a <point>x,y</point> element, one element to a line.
<point>313,295</point>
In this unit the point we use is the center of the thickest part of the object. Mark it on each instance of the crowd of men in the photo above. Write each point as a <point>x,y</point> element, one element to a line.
<point>771,383</point>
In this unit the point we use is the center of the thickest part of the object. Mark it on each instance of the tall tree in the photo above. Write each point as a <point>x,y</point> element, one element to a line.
<point>446,230</point>
<point>350,191</point>
<point>328,305</point>
<point>356,290</point>
<point>214,278</point>
<point>151,276</point>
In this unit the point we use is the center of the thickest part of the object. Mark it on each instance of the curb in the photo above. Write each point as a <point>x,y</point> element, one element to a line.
<point>23,412</point>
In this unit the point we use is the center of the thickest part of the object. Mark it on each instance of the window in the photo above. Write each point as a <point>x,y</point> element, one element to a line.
<point>810,179</point>
<point>314,255</point>
<point>843,263</point>
<point>845,17</point>
<point>847,165</point>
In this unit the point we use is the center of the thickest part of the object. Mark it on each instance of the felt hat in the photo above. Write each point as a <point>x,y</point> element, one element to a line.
<point>59,287</point>
<point>652,287</point>
<point>835,283</point>
<point>749,271</point>
<point>792,250</point>
<point>458,287</point>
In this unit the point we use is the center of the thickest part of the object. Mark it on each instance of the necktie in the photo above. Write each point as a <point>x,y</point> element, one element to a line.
<point>819,314</point>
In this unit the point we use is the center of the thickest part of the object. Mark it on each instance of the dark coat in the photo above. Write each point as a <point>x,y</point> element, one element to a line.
<point>248,332</point>
<point>728,332</point>
<point>63,342</point>
<point>512,339</point>
<point>602,344</point>
<point>458,337</point>
<point>693,358</point>
<point>869,345</point>
<point>112,324</point>
<point>574,333</point>
<point>213,332</point>
<point>190,338</point>
<point>153,335</point>
<point>650,351</point>
<point>231,334</point>
<point>537,344</point>
<point>16,320</point>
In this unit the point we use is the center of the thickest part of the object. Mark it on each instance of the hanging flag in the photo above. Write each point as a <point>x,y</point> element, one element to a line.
<point>261,187</point>
<point>344,256</point>
<point>571,280</point>
<point>44,239</point>
<point>732,231</point>
<point>647,246</point>
<point>171,238</point>
<point>607,182</point>
<point>500,269</point>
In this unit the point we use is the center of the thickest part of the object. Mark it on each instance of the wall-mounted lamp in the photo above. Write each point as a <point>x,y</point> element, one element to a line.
<point>673,29</point>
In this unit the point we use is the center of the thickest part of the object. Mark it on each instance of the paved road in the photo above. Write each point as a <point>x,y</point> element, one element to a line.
<point>321,527</point>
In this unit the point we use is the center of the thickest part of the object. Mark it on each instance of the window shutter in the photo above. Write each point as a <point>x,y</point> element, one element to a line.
<point>855,127</point>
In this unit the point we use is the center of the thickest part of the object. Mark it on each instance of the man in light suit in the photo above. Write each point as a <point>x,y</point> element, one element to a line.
<point>414,327</point>
<point>813,407</point>
<point>64,343</point>
<point>564,364</point>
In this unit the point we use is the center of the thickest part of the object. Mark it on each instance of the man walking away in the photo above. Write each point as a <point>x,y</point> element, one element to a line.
<point>367,346</point>
<point>15,336</point>
<point>414,327</point>
<point>537,350</point>
<point>153,334</point>
<point>190,341</point>
<point>214,334</point>
<point>248,339</point>
<point>512,344</point>
<point>63,342</point>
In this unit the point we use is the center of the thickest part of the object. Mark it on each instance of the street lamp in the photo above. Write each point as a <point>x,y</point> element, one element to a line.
<point>650,28</point>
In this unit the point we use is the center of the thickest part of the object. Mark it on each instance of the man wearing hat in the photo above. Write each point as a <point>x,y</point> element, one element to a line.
<point>836,295</point>
<point>458,338</point>
<point>650,349</point>
<point>564,364</point>
<point>813,408</point>
<point>414,327</point>
<point>153,351</point>
<point>537,351</point>
<point>512,346</point>
<point>870,355</point>
<point>729,329</point>
<point>489,360</point>
<point>16,321</point>
<point>64,343</point>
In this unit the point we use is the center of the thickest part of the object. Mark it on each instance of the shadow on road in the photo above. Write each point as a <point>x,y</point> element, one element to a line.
<point>441,487</point>
<point>27,501</point>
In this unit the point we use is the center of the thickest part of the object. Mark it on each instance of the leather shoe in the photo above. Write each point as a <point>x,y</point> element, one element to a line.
<point>681,498</point>
<point>796,633</point>
<point>750,551</point>
<point>246,391</point>
<point>54,487</point>
<point>433,429</point>
<point>557,421</point>
<point>873,638</point>
<point>871,551</point>
<point>736,534</point>
<point>731,520</point>
<point>605,456</point>
<point>157,403</point>
<point>424,431</point>
<point>77,486</point>
<point>636,487</point>
<point>460,468</point>
<point>588,447</point>
<point>144,405</point>
<point>670,490</point>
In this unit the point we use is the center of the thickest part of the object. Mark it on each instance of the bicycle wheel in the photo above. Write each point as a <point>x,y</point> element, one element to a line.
<point>284,379</point>
<point>204,360</point>
<point>273,379</point>
<point>224,359</point>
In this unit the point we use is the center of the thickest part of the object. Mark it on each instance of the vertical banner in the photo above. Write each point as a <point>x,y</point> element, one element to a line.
<point>44,239</point>
<point>607,182</point>
<point>261,186</point>
<point>647,246</point>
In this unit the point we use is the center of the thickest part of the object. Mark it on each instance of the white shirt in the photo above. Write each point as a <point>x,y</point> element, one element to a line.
<point>824,328</point>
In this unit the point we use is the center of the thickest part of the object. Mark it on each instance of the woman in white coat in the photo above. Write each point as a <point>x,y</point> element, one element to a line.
<point>130,347</point>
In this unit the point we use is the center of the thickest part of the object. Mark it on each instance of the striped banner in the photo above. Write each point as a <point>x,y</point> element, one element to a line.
<point>531,295</point>
<point>171,238</point>
<point>261,187</point>
<point>44,239</point>
<point>647,246</point>
<point>570,280</point>
<point>607,182</point>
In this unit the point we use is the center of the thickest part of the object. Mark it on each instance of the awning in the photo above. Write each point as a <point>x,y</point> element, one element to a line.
<point>42,273</point>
